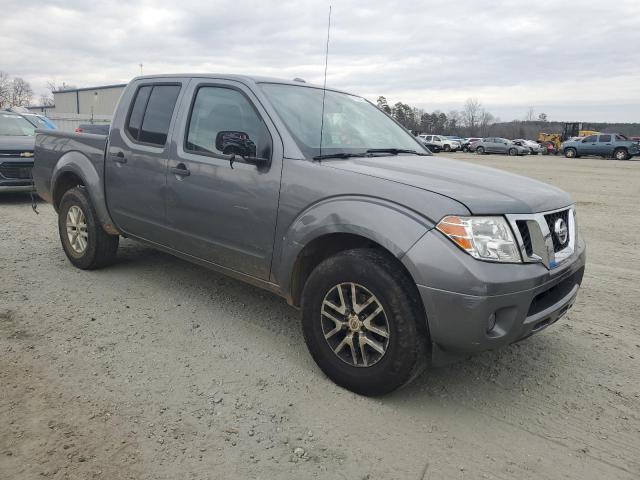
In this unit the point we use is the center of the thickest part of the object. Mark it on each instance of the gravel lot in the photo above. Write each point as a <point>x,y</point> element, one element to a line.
<point>158,369</point>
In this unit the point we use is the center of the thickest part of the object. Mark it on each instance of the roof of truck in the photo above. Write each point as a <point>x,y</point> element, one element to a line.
<point>241,78</point>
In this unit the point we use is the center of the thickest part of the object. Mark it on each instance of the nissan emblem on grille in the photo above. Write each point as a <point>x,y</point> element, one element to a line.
<point>561,231</point>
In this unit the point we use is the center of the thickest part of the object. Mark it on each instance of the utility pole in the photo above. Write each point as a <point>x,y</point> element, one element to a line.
<point>140,65</point>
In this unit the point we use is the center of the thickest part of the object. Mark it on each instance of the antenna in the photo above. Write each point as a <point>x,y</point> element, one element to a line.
<point>324,87</point>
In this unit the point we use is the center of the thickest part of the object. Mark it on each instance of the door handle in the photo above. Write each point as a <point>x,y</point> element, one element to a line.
<point>119,157</point>
<point>181,170</point>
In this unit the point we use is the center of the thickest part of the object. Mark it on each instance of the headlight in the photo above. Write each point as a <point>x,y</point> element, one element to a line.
<point>485,238</point>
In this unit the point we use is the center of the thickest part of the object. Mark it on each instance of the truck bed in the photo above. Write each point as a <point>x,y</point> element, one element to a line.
<point>57,152</point>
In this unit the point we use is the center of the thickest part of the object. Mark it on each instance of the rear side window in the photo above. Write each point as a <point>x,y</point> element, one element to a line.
<point>604,138</point>
<point>151,113</point>
<point>137,111</point>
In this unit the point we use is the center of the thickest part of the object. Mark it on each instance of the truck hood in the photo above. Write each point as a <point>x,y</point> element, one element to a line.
<point>483,190</point>
<point>11,142</point>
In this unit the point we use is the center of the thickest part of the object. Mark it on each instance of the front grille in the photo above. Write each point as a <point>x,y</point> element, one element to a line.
<point>526,237</point>
<point>11,153</point>
<point>551,219</point>
<point>16,170</point>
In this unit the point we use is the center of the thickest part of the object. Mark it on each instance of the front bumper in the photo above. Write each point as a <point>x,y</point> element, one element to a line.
<point>15,175</point>
<point>461,295</point>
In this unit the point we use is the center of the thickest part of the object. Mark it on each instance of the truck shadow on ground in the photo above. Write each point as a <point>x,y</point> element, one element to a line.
<point>514,368</point>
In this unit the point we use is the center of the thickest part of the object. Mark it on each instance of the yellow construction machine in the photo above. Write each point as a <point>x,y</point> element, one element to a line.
<point>569,130</point>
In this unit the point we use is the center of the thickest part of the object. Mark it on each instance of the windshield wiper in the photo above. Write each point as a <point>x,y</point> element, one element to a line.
<point>396,151</point>
<point>341,155</point>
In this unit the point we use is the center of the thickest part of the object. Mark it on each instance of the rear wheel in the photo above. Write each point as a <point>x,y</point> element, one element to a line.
<point>570,153</point>
<point>84,241</point>
<point>480,150</point>
<point>513,152</point>
<point>621,154</point>
<point>447,148</point>
<point>363,322</point>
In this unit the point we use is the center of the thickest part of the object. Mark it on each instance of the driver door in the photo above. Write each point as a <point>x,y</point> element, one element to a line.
<point>219,211</point>
<point>588,145</point>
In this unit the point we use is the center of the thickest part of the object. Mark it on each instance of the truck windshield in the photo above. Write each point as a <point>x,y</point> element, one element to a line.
<point>351,124</point>
<point>15,126</point>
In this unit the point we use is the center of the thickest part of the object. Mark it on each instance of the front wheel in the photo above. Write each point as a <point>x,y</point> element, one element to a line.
<point>570,153</point>
<point>480,150</point>
<point>513,152</point>
<point>363,322</point>
<point>84,241</point>
<point>447,148</point>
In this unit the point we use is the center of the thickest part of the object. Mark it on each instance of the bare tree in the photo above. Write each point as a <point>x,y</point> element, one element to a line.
<point>485,119</point>
<point>530,116</point>
<point>471,114</point>
<point>5,90</point>
<point>542,117</point>
<point>21,92</point>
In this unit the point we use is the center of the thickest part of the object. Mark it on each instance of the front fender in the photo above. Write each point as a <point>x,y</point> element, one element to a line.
<point>79,164</point>
<point>392,226</point>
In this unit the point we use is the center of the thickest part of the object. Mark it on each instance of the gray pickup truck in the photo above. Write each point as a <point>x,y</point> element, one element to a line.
<point>396,258</point>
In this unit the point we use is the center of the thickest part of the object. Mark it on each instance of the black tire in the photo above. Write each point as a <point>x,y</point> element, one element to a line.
<point>100,249</point>
<point>447,148</point>
<point>621,154</point>
<point>570,153</point>
<point>513,152</point>
<point>407,343</point>
<point>480,150</point>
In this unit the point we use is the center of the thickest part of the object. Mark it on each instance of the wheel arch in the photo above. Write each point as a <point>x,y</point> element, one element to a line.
<point>73,169</point>
<point>321,232</point>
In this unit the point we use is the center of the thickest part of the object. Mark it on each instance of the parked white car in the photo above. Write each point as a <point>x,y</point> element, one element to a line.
<point>446,144</point>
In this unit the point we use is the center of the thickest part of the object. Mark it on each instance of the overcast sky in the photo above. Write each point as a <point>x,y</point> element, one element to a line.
<point>574,60</point>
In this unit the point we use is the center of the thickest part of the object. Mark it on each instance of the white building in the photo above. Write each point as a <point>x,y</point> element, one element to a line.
<point>74,106</point>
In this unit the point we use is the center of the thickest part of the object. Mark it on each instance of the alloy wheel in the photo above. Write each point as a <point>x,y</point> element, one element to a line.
<point>354,324</point>
<point>77,229</point>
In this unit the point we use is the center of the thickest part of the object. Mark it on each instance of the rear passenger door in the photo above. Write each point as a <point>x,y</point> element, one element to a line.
<point>223,212</point>
<point>605,145</point>
<point>136,159</point>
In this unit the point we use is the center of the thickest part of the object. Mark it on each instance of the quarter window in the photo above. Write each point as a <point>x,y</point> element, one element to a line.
<point>151,113</point>
<point>223,121</point>
<point>137,111</point>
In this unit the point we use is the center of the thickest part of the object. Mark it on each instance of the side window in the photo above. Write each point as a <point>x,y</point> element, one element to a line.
<point>151,113</point>
<point>137,111</point>
<point>604,138</point>
<point>590,138</point>
<point>223,121</point>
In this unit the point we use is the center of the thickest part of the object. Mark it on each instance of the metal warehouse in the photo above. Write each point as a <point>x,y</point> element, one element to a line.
<point>88,101</point>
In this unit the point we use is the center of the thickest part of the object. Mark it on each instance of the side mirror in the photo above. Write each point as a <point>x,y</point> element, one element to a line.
<point>236,143</point>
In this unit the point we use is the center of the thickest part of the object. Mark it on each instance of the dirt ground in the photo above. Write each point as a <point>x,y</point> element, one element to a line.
<point>158,369</point>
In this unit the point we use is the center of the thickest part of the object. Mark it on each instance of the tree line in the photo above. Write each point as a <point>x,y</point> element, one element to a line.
<point>472,120</point>
<point>475,121</point>
<point>14,92</point>
<point>17,92</point>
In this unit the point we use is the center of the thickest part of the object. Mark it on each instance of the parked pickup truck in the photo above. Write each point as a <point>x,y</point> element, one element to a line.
<point>606,145</point>
<point>396,258</point>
